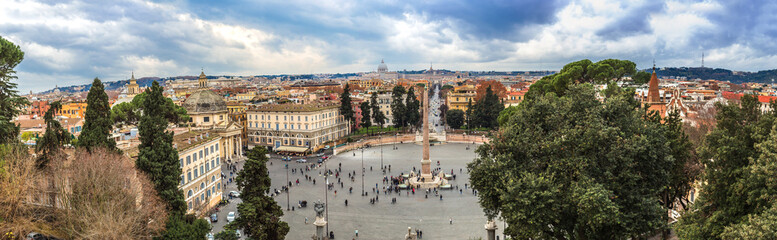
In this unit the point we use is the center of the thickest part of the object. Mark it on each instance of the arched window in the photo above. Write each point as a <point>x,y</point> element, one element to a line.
<point>190,193</point>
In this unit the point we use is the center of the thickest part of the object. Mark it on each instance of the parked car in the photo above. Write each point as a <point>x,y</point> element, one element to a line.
<point>302,160</point>
<point>214,218</point>
<point>320,160</point>
<point>234,193</point>
<point>230,216</point>
<point>209,236</point>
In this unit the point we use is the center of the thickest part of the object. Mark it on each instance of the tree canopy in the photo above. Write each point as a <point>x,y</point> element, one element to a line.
<point>345,105</point>
<point>378,118</point>
<point>129,113</point>
<point>398,106</point>
<point>496,87</point>
<point>486,110</point>
<point>412,108</point>
<point>98,123</point>
<point>583,71</point>
<point>365,108</point>
<point>10,101</point>
<point>55,137</point>
<point>455,118</point>
<point>738,197</point>
<point>573,167</point>
<point>258,215</point>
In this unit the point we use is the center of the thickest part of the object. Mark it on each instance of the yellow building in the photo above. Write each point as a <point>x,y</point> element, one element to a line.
<point>200,162</point>
<point>460,97</point>
<point>366,83</point>
<point>72,110</point>
<point>295,128</point>
<point>245,96</point>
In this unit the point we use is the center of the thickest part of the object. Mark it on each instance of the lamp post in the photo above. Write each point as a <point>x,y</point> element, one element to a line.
<point>326,195</point>
<point>363,193</point>
<point>381,152</point>
<point>288,188</point>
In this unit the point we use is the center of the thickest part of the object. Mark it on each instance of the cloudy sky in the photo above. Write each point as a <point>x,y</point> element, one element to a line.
<point>72,42</point>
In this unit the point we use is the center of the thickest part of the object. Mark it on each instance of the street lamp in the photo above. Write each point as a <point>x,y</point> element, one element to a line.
<point>363,192</point>
<point>326,195</point>
<point>288,207</point>
<point>381,152</point>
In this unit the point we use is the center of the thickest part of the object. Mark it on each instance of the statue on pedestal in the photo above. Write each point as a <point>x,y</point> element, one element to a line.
<point>319,207</point>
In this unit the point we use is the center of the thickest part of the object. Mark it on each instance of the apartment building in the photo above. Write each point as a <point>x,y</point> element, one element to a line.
<point>296,128</point>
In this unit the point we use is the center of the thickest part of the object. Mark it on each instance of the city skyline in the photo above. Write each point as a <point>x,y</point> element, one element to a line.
<point>70,43</point>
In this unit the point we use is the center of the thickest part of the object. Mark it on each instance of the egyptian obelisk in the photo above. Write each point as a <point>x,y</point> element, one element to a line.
<point>426,170</point>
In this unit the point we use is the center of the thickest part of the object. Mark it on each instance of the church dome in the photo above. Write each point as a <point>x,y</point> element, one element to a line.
<point>382,67</point>
<point>204,101</point>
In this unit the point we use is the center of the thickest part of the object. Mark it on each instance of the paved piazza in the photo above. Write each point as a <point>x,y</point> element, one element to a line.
<point>384,220</point>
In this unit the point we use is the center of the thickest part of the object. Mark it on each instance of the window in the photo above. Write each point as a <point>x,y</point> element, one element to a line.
<point>213,163</point>
<point>194,156</point>
<point>292,126</point>
<point>297,118</point>
<point>277,127</point>
<point>195,173</point>
<point>306,118</point>
<point>217,161</point>
<point>276,117</point>
<point>183,180</point>
<point>202,185</point>
<point>262,125</point>
<point>190,193</point>
<point>207,166</point>
<point>181,165</point>
<point>206,152</point>
<point>218,186</point>
<point>221,117</point>
<point>189,176</point>
<point>284,118</point>
<point>217,146</point>
<point>206,119</point>
<point>200,154</point>
<point>201,169</point>
<point>213,178</point>
<point>190,205</point>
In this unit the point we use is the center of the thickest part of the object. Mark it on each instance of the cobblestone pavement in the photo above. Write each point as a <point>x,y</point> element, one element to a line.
<point>383,220</point>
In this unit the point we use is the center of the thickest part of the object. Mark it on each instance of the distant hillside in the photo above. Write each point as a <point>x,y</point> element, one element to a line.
<point>765,76</point>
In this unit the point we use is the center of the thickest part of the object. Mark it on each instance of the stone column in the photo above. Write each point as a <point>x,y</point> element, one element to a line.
<point>321,233</point>
<point>491,229</point>
<point>426,169</point>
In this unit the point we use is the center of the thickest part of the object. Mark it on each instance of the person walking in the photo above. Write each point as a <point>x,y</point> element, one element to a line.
<point>356,232</point>
<point>450,220</point>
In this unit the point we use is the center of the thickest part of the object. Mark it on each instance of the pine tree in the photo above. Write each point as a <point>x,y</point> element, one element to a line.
<point>412,106</point>
<point>55,137</point>
<point>377,115</point>
<point>159,160</point>
<point>365,107</point>
<point>10,101</point>
<point>397,106</point>
<point>345,104</point>
<point>258,215</point>
<point>97,128</point>
<point>157,156</point>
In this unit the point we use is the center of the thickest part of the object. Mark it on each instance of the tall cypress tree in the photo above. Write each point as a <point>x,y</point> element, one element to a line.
<point>157,156</point>
<point>365,107</point>
<point>259,214</point>
<point>411,108</point>
<point>377,116</point>
<point>345,105</point>
<point>159,160</point>
<point>397,106</point>
<point>97,128</point>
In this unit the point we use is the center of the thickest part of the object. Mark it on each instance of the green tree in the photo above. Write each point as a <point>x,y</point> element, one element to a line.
<point>455,118</point>
<point>226,234</point>
<point>583,71</point>
<point>506,114</point>
<point>258,215</point>
<point>575,167</point>
<point>398,106</point>
<point>412,108</point>
<point>55,137</point>
<point>377,115</point>
<point>129,113</point>
<point>159,160</point>
<point>10,101</point>
<point>739,190</point>
<point>468,113</point>
<point>641,77</point>
<point>486,110</point>
<point>98,125</point>
<point>365,108</point>
<point>346,109</point>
